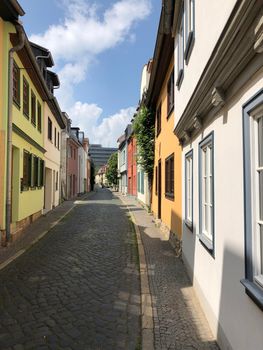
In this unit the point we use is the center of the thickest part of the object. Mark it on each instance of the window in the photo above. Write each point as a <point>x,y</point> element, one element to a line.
<point>156,180</point>
<point>36,171</point>
<point>253,197</point>
<point>16,84</point>
<point>169,177</point>
<point>33,108</point>
<point>25,97</point>
<point>189,189</point>
<point>189,27</point>
<point>74,152</point>
<point>170,94</point>
<point>142,182</point>
<point>49,129</point>
<point>58,141</point>
<point>206,191</point>
<point>57,181</point>
<point>55,133</point>
<point>180,51</point>
<point>39,117</point>
<point>158,120</point>
<point>26,170</point>
<point>41,172</point>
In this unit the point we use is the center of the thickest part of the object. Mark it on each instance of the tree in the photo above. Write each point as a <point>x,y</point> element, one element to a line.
<point>143,127</point>
<point>112,172</point>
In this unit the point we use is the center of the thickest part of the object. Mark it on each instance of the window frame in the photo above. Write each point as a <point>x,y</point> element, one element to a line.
<point>33,100</point>
<point>189,30</point>
<point>208,242</point>
<point>250,110</point>
<point>189,222</point>
<point>180,50</point>
<point>39,117</point>
<point>16,85</point>
<point>169,177</point>
<point>158,120</point>
<point>49,129</point>
<point>170,94</point>
<point>26,97</point>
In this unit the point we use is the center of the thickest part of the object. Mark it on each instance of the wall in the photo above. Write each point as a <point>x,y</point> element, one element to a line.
<point>3,110</point>
<point>52,156</point>
<point>210,19</point>
<point>232,315</point>
<point>131,165</point>
<point>72,168</point>
<point>165,144</point>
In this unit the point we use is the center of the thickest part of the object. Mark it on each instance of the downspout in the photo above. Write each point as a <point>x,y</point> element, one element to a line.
<point>18,47</point>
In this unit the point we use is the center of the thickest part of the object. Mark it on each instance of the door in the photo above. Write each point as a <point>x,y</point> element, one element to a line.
<point>159,189</point>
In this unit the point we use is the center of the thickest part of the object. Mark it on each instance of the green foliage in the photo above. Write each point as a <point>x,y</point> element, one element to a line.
<point>143,127</point>
<point>112,172</point>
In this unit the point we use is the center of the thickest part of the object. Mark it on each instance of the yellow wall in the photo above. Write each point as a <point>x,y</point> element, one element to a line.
<point>2,130</point>
<point>167,143</point>
<point>28,202</point>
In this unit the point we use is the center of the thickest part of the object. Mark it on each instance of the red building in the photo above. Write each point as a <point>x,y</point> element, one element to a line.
<point>72,167</point>
<point>132,167</point>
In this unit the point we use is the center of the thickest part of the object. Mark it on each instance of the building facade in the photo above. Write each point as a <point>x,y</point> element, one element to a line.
<point>167,179</point>
<point>123,160</point>
<point>132,165</point>
<point>219,121</point>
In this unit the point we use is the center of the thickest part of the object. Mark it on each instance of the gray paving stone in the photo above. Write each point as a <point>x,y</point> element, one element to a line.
<point>64,292</point>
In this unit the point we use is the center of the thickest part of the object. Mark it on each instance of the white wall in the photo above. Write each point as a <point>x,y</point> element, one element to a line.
<point>210,19</point>
<point>231,313</point>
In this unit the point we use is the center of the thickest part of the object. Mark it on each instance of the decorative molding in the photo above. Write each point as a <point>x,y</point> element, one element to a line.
<point>27,138</point>
<point>197,123</point>
<point>258,46</point>
<point>218,97</point>
<point>186,136</point>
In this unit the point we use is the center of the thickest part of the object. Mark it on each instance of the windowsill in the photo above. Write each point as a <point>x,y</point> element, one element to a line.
<point>17,105</point>
<point>170,112</point>
<point>207,243</point>
<point>169,196</point>
<point>34,124</point>
<point>26,115</point>
<point>189,224</point>
<point>254,292</point>
<point>180,78</point>
<point>189,46</point>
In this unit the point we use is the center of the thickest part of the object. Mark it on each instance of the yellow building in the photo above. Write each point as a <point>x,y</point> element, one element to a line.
<point>9,12</point>
<point>29,94</point>
<point>167,180</point>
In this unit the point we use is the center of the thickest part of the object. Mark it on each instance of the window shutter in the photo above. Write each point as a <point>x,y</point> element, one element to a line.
<point>31,170</point>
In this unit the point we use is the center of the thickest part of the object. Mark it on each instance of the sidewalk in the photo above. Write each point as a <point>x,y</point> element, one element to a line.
<point>35,231</point>
<point>179,322</point>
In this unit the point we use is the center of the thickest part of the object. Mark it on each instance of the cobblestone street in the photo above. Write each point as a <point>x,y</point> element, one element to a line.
<point>77,288</point>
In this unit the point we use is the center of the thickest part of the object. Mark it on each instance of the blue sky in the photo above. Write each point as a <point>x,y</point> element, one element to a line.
<point>99,48</point>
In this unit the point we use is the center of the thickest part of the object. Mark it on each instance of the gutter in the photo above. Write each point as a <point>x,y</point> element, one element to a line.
<point>18,47</point>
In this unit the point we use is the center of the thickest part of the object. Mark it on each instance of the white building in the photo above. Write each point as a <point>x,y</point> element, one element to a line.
<point>123,160</point>
<point>219,120</point>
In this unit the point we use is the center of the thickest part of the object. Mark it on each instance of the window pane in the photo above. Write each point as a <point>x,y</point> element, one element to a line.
<point>261,195</point>
<point>260,142</point>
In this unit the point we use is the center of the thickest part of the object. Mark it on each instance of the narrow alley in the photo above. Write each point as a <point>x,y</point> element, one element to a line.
<point>78,288</point>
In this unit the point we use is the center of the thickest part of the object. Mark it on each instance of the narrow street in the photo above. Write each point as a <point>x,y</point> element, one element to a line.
<point>79,287</point>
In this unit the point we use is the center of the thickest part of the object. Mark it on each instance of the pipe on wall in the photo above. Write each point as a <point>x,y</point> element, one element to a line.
<point>18,47</point>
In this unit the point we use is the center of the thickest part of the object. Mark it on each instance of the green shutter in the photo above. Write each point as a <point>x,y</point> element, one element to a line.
<point>32,170</point>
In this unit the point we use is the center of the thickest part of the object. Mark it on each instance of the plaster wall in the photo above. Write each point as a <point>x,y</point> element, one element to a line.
<point>233,316</point>
<point>167,143</point>
<point>210,19</point>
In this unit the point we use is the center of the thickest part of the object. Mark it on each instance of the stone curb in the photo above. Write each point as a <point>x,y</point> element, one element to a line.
<point>146,297</point>
<point>37,239</point>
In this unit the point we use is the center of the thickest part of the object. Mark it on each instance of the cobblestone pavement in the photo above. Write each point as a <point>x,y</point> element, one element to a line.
<point>77,288</point>
<point>179,322</point>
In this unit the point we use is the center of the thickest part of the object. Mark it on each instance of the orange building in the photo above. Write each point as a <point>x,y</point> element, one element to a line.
<point>167,179</point>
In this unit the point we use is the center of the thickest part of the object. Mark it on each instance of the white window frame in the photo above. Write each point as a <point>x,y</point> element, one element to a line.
<point>189,189</point>
<point>253,282</point>
<point>206,192</point>
<point>257,221</point>
<point>189,27</point>
<point>180,50</point>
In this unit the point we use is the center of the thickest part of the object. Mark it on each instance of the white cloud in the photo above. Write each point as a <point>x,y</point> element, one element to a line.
<point>87,116</point>
<point>83,34</point>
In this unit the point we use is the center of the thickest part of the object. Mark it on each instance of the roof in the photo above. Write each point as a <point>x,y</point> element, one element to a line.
<point>164,43</point>
<point>54,78</point>
<point>10,10</point>
<point>42,52</point>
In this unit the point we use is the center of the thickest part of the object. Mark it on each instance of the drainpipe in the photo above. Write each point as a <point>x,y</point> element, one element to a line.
<point>19,46</point>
